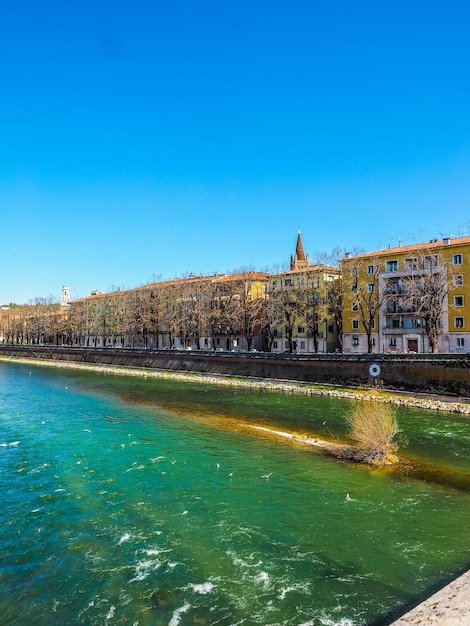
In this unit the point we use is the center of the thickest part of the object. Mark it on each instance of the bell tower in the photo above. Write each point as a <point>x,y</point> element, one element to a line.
<point>300,260</point>
<point>65,298</point>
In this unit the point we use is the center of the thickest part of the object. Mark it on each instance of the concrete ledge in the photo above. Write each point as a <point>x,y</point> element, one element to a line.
<point>419,373</point>
<point>448,607</point>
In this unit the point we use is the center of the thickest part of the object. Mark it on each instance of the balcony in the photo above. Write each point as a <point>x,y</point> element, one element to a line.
<point>393,308</point>
<point>400,325</point>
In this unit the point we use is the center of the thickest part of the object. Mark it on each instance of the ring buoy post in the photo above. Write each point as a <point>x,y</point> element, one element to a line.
<point>374,373</point>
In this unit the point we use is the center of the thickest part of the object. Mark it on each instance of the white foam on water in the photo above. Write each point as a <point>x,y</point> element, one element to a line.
<point>143,569</point>
<point>110,613</point>
<point>125,537</point>
<point>152,552</point>
<point>156,551</point>
<point>344,621</point>
<point>263,577</point>
<point>138,467</point>
<point>285,591</point>
<point>243,563</point>
<point>176,617</point>
<point>202,588</point>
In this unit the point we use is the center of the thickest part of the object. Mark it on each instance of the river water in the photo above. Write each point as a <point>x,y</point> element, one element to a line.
<point>147,502</point>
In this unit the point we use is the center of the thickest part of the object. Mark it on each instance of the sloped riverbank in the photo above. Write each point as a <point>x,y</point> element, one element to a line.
<point>421,401</point>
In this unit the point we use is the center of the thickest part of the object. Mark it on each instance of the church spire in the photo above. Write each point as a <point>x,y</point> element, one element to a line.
<point>300,261</point>
<point>299,249</point>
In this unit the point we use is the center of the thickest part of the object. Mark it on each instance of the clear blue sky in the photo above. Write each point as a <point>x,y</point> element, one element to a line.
<point>151,139</point>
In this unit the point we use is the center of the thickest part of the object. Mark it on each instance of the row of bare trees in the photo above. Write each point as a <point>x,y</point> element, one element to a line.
<point>192,311</point>
<point>206,310</point>
<point>34,323</point>
<point>311,299</point>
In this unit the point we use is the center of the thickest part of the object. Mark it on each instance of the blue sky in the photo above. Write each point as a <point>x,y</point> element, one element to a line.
<point>151,139</point>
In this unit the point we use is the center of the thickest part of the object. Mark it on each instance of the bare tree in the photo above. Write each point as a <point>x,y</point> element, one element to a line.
<point>334,293</point>
<point>366,295</point>
<point>423,291</point>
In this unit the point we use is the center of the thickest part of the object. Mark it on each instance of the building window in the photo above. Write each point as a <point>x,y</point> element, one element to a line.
<point>391,266</point>
<point>355,306</point>
<point>458,280</point>
<point>458,322</point>
<point>370,269</point>
<point>302,345</point>
<point>331,328</point>
<point>411,263</point>
<point>370,287</point>
<point>274,332</point>
<point>460,342</point>
<point>458,301</point>
<point>430,260</point>
<point>300,329</point>
<point>457,259</point>
<point>355,324</point>
<point>274,344</point>
<point>354,288</point>
<point>286,345</point>
<point>315,283</point>
<point>355,341</point>
<point>393,342</point>
<point>288,282</point>
<point>274,284</point>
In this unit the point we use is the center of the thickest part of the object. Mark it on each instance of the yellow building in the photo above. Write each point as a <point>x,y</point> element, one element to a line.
<point>300,306</point>
<point>408,299</point>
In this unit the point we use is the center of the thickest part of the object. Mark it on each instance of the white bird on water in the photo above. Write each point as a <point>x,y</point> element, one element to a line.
<point>267,475</point>
<point>348,497</point>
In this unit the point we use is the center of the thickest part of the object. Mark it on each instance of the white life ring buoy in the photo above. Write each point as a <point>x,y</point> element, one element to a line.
<point>374,369</point>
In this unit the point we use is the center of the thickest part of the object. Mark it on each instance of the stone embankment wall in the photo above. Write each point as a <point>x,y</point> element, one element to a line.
<point>426,373</point>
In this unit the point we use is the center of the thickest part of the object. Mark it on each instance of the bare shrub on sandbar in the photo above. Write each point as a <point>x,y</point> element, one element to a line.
<point>374,428</point>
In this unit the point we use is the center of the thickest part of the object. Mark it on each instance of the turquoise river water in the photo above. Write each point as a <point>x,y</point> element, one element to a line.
<point>148,502</point>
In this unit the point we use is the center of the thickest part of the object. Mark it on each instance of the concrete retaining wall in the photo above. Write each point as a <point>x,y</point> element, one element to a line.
<point>433,374</point>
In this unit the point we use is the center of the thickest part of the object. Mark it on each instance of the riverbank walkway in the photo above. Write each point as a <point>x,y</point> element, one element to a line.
<point>450,606</point>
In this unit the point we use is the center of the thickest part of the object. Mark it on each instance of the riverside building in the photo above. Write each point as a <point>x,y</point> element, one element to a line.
<point>222,311</point>
<point>300,307</point>
<point>408,299</point>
